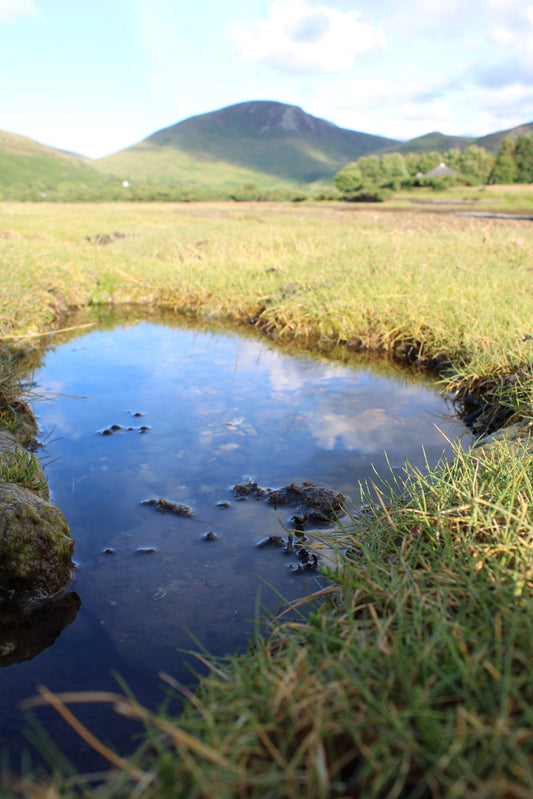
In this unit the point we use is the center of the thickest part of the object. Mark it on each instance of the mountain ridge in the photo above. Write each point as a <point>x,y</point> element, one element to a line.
<point>281,140</point>
<point>261,135</point>
<point>258,143</point>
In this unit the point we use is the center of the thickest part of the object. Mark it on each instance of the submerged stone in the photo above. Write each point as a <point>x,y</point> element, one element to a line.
<point>35,544</point>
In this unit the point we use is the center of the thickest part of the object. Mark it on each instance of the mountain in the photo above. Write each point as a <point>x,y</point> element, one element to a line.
<point>493,140</point>
<point>441,143</point>
<point>431,141</point>
<point>25,163</point>
<point>261,137</point>
<point>255,148</point>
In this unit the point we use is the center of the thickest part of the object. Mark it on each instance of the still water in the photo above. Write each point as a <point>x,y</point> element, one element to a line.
<point>147,410</point>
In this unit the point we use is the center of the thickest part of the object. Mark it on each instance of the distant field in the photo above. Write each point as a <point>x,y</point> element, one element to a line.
<point>513,198</point>
<point>452,286</point>
<point>167,166</point>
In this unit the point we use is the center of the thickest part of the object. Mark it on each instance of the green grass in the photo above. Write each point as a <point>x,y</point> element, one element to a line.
<point>167,166</point>
<point>23,468</point>
<point>449,287</point>
<point>517,198</point>
<point>411,674</point>
<point>29,170</point>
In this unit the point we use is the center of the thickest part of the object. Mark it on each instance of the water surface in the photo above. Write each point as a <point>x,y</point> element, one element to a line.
<point>219,408</point>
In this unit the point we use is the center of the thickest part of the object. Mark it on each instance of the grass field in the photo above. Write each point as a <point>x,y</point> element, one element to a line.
<point>411,676</point>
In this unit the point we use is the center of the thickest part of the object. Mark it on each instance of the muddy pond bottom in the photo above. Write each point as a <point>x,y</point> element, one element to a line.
<point>146,412</point>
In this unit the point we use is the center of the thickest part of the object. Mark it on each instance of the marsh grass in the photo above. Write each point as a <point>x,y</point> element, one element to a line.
<point>410,674</point>
<point>447,287</point>
<point>22,467</point>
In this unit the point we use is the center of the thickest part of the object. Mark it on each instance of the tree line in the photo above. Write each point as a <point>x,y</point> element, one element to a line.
<point>371,176</point>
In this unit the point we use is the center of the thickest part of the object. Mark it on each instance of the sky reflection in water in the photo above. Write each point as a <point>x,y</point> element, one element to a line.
<point>219,408</point>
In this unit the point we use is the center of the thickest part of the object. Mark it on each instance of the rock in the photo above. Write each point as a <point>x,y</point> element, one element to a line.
<point>35,545</point>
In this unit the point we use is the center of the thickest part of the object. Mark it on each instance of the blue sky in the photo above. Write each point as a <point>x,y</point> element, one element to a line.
<point>95,76</point>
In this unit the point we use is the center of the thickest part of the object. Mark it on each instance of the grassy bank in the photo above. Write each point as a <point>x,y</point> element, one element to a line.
<point>411,676</point>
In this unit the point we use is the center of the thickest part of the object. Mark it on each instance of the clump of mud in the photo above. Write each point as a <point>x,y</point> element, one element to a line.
<point>105,238</point>
<point>313,504</point>
<point>166,506</point>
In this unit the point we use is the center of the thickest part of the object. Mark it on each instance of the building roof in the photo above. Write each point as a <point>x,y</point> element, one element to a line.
<point>441,169</point>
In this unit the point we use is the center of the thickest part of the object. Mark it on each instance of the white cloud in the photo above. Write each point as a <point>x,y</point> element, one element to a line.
<point>302,37</point>
<point>514,101</point>
<point>11,10</point>
<point>400,107</point>
<point>511,94</point>
<point>513,36</point>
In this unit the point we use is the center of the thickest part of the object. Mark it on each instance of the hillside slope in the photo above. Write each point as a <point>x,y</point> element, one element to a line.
<point>262,136</point>
<point>260,147</point>
<point>25,163</point>
<point>493,141</point>
<point>430,141</point>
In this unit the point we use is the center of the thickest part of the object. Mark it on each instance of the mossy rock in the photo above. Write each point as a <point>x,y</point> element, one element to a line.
<point>35,544</point>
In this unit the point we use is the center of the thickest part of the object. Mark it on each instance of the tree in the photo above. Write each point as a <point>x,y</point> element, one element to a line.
<point>523,157</point>
<point>505,170</point>
<point>370,166</point>
<point>393,169</point>
<point>411,163</point>
<point>428,161</point>
<point>452,158</point>
<point>350,179</point>
<point>475,164</point>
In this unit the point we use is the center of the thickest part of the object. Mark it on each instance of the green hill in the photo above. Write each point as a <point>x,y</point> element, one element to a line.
<point>493,140</point>
<point>249,150</point>
<point>28,168</point>
<point>430,141</point>
<point>256,138</point>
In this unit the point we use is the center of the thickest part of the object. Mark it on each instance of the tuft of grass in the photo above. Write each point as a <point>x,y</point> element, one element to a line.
<point>23,468</point>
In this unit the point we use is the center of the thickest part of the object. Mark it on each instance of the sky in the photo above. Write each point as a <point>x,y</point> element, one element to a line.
<point>96,76</point>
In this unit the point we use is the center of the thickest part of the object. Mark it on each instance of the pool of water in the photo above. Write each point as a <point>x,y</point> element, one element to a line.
<point>147,410</point>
